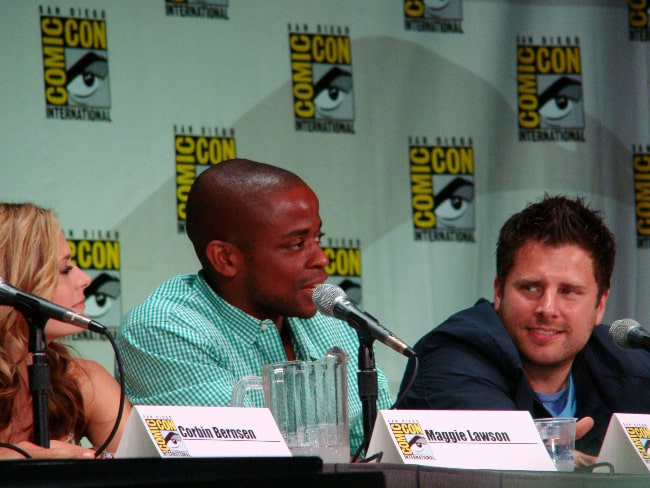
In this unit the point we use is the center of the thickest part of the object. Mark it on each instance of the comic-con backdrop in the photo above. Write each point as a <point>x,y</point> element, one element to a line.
<point>421,124</point>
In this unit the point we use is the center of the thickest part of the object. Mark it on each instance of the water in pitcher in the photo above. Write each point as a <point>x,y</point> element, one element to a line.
<point>326,441</point>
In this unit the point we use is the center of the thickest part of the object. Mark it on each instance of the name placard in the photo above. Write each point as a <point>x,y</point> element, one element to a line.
<point>460,439</point>
<point>177,431</point>
<point>627,444</point>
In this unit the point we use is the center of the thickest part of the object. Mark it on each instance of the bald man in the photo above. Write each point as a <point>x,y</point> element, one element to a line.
<point>256,231</point>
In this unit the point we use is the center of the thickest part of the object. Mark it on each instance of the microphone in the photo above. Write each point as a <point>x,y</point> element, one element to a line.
<point>628,334</point>
<point>332,301</point>
<point>27,303</point>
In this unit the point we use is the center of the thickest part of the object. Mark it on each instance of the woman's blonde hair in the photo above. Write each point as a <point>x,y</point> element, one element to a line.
<point>29,261</point>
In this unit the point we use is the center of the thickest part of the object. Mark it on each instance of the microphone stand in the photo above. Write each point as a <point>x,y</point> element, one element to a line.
<point>39,376</point>
<point>367,379</point>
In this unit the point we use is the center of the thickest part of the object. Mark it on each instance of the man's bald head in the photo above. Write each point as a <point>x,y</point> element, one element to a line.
<point>227,202</point>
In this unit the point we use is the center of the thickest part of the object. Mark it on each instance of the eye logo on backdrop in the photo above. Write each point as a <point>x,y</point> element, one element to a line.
<point>98,255</point>
<point>344,268</point>
<point>549,90</point>
<point>433,15</point>
<point>193,155</point>
<point>641,162</point>
<point>321,78</point>
<point>211,9</point>
<point>442,189</point>
<point>75,64</point>
<point>638,19</point>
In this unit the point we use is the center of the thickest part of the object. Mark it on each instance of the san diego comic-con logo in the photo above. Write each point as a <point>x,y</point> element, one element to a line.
<point>641,163</point>
<point>211,9</point>
<point>75,64</point>
<point>640,437</point>
<point>321,78</point>
<point>549,90</point>
<point>433,15</point>
<point>638,12</point>
<point>193,154</point>
<point>344,268</point>
<point>98,255</point>
<point>442,189</point>
<point>411,440</point>
<point>166,436</point>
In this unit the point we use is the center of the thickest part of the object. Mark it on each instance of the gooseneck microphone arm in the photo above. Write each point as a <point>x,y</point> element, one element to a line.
<point>40,308</point>
<point>332,301</point>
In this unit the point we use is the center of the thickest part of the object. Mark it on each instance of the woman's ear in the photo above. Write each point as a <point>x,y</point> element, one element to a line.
<point>224,257</point>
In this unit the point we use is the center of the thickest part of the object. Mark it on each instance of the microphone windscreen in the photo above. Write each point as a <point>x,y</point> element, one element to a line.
<point>324,297</point>
<point>619,331</point>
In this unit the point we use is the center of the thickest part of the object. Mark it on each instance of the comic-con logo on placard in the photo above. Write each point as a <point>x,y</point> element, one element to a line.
<point>433,15</point>
<point>641,163</point>
<point>166,436</point>
<point>211,9</point>
<point>442,189</point>
<point>411,440</point>
<point>549,90</point>
<point>97,253</point>
<point>638,12</point>
<point>640,437</point>
<point>75,64</point>
<point>344,268</point>
<point>321,79</point>
<point>193,154</point>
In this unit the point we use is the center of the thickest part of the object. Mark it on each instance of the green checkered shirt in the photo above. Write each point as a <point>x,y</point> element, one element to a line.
<point>185,345</point>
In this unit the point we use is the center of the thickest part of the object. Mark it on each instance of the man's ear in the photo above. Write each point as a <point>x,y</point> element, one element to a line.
<point>600,308</point>
<point>497,294</point>
<point>224,257</point>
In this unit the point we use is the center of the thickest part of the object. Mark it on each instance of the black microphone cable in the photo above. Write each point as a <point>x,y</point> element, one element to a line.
<point>120,410</point>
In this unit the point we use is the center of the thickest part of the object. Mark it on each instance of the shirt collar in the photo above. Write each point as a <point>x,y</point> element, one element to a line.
<point>248,327</point>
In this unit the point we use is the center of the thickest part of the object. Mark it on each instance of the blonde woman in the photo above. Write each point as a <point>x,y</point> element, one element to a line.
<point>84,398</point>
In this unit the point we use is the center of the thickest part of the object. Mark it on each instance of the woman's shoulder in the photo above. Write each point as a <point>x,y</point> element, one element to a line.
<point>89,372</point>
<point>98,387</point>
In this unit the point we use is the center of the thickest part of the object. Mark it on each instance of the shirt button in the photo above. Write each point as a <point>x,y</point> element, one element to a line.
<point>264,327</point>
